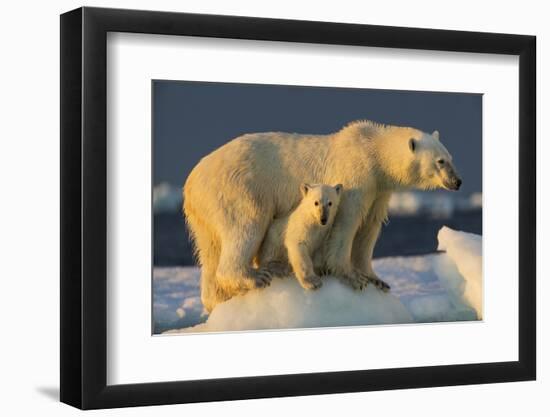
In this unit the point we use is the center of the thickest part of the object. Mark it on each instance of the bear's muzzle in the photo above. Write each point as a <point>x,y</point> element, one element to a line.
<point>453,184</point>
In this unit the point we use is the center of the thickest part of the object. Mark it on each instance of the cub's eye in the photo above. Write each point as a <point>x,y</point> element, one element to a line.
<point>440,161</point>
<point>316,203</point>
<point>330,203</point>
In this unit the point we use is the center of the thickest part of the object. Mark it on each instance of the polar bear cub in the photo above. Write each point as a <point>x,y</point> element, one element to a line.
<point>291,241</point>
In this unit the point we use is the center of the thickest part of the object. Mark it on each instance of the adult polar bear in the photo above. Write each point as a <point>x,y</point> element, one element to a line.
<point>234,193</point>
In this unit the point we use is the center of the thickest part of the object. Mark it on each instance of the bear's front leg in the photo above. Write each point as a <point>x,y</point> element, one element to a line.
<point>365,240</point>
<point>276,269</point>
<point>302,265</point>
<point>339,245</point>
<point>362,255</point>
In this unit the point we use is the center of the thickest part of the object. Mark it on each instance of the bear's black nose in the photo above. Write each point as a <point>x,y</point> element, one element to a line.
<point>323,220</point>
<point>458,183</point>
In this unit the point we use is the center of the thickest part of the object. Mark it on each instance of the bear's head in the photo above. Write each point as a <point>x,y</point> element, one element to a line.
<point>321,201</point>
<point>430,163</point>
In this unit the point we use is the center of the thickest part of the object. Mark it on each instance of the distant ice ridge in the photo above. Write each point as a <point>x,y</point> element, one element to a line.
<point>436,204</point>
<point>431,288</point>
<point>168,199</point>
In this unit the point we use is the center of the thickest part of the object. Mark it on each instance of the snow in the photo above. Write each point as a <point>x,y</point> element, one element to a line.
<point>432,288</point>
<point>176,298</point>
<point>285,304</point>
<point>425,284</point>
<point>465,250</point>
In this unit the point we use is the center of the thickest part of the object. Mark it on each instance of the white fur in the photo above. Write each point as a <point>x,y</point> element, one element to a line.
<point>233,194</point>
<point>295,238</point>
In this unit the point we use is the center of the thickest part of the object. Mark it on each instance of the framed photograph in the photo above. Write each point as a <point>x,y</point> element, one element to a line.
<point>257,208</point>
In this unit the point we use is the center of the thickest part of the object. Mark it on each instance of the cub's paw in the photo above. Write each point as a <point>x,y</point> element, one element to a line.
<point>312,282</point>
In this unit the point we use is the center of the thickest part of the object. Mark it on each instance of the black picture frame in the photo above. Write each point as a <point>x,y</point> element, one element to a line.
<point>84,207</point>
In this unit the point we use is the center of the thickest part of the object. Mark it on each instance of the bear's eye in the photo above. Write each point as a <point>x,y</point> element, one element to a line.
<point>316,203</point>
<point>440,161</point>
<point>330,203</point>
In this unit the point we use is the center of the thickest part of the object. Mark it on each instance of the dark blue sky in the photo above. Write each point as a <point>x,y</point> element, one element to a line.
<point>190,119</point>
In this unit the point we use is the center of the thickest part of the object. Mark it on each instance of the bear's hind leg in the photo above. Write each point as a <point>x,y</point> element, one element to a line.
<point>235,273</point>
<point>209,292</point>
<point>207,251</point>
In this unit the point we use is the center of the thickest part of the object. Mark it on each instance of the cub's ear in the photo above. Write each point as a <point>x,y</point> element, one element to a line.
<point>338,188</point>
<point>412,144</point>
<point>304,188</point>
<point>435,134</point>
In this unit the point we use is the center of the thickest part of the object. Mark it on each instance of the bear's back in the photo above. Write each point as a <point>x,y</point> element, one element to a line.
<point>273,149</point>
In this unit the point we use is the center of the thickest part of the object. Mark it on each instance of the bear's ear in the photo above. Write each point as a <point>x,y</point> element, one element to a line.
<point>338,188</point>
<point>304,188</point>
<point>412,144</point>
<point>435,134</point>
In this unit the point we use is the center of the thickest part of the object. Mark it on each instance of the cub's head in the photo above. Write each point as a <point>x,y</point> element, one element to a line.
<point>321,201</point>
<point>431,164</point>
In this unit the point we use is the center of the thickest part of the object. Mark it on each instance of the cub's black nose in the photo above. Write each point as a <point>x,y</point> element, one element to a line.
<point>458,183</point>
<point>323,220</point>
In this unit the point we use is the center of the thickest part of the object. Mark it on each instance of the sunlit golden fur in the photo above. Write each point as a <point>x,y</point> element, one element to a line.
<point>233,194</point>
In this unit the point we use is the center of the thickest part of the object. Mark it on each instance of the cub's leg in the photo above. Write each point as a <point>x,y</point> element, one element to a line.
<point>302,265</point>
